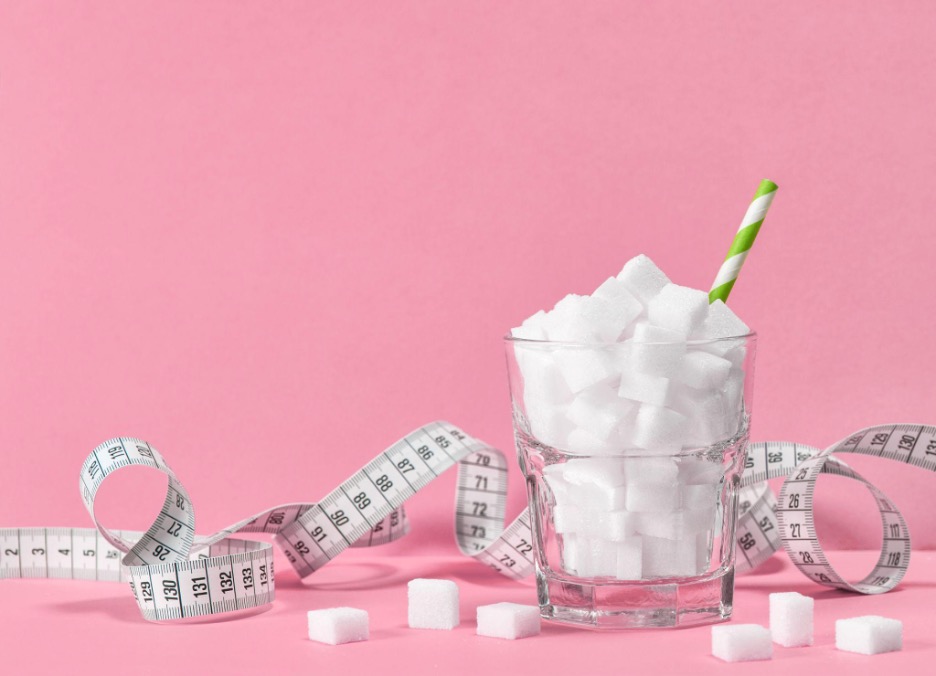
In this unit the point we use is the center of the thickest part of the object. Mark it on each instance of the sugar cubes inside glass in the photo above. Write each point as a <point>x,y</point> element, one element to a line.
<point>432,604</point>
<point>791,619</point>
<point>869,635</point>
<point>508,620</point>
<point>338,625</point>
<point>741,642</point>
<point>639,377</point>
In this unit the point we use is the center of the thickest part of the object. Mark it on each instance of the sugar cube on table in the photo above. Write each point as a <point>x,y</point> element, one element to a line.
<point>869,635</point>
<point>741,642</point>
<point>338,625</point>
<point>791,619</point>
<point>508,620</point>
<point>432,604</point>
<point>643,278</point>
<point>678,308</point>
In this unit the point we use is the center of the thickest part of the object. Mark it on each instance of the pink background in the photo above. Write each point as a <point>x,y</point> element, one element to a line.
<point>271,238</point>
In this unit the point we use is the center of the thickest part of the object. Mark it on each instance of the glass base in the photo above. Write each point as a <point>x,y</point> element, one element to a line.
<point>639,605</point>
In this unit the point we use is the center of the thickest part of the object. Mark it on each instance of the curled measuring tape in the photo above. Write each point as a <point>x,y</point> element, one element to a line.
<point>175,574</point>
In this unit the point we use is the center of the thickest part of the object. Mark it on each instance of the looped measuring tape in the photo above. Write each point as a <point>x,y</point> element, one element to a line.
<point>175,574</point>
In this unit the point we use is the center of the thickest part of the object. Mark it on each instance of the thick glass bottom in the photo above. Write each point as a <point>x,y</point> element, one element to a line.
<point>638,605</point>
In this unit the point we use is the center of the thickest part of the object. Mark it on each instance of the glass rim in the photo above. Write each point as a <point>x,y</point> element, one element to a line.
<point>510,338</point>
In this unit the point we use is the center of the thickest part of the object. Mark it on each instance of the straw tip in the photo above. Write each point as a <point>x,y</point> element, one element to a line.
<point>765,187</point>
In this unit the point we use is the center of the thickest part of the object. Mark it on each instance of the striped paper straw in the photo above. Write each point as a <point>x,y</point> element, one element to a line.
<point>743,241</point>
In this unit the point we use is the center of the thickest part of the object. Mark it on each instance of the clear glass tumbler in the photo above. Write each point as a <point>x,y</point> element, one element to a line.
<point>632,454</point>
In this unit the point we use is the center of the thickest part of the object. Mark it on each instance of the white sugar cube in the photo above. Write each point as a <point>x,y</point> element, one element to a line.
<point>663,557</point>
<point>601,471</point>
<point>700,471</point>
<point>606,320</point>
<point>791,619</point>
<point>338,625</point>
<point>583,441</point>
<point>615,291</point>
<point>678,308</point>
<point>721,322</point>
<point>741,642</point>
<point>659,429</point>
<point>533,328</point>
<point>432,604</point>
<point>542,379</point>
<point>643,278</point>
<point>679,524</point>
<point>629,559</point>
<point>563,321</point>
<point>587,556</point>
<point>567,518</point>
<point>703,370</point>
<point>869,635</point>
<point>548,423</point>
<point>648,497</point>
<point>644,387</point>
<point>600,411</point>
<point>582,367</point>
<point>616,525</point>
<point>698,496</point>
<point>508,620</point>
<point>642,470</point>
<point>656,350</point>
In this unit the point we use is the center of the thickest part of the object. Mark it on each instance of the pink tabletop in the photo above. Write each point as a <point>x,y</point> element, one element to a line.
<point>86,627</point>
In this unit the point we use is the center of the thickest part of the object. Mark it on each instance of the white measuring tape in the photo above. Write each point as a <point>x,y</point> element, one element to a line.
<point>175,574</point>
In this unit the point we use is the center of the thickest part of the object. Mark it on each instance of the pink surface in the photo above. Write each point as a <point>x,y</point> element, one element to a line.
<point>273,238</point>
<point>97,626</point>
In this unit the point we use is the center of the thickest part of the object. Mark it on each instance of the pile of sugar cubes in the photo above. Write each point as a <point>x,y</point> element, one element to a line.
<point>431,604</point>
<point>791,625</point>
<point>653,369</point>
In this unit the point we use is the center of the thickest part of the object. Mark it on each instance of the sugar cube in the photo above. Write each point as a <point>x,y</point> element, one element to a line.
<point>703,370</point>
<point>563,321</point>
<point>338,625</point>
<point>508,620</point>
<point>791,619</point>
<point>643,278</point>
<point>679,524</point>
<point>606,319</point>
<point>548,423</point>
<point>584,366</point>
<point>616,525</point>
<point>599,410</point>
<point>615,291</point>
<point>659,429</point>
<point>432,604</point>
<point>629,559</point>
<point>678,308</point>
<point>639,470</point>
<point>869,635</point>
<point>567,518</point>
<point>604,472</point>
<point>741,642</point>
<point>650,497</point>
<point>582,440</point>
<point>721,322</point>
<point>542,379</point>
<point>663,557</point>
<point>644,387</point>
<point>656,350</point>
<point>533,328</point>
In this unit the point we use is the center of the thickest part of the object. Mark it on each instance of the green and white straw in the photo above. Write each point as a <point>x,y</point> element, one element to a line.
<point>743,241</point>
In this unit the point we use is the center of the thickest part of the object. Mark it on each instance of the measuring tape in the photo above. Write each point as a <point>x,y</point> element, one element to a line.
<point>175,574</point>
